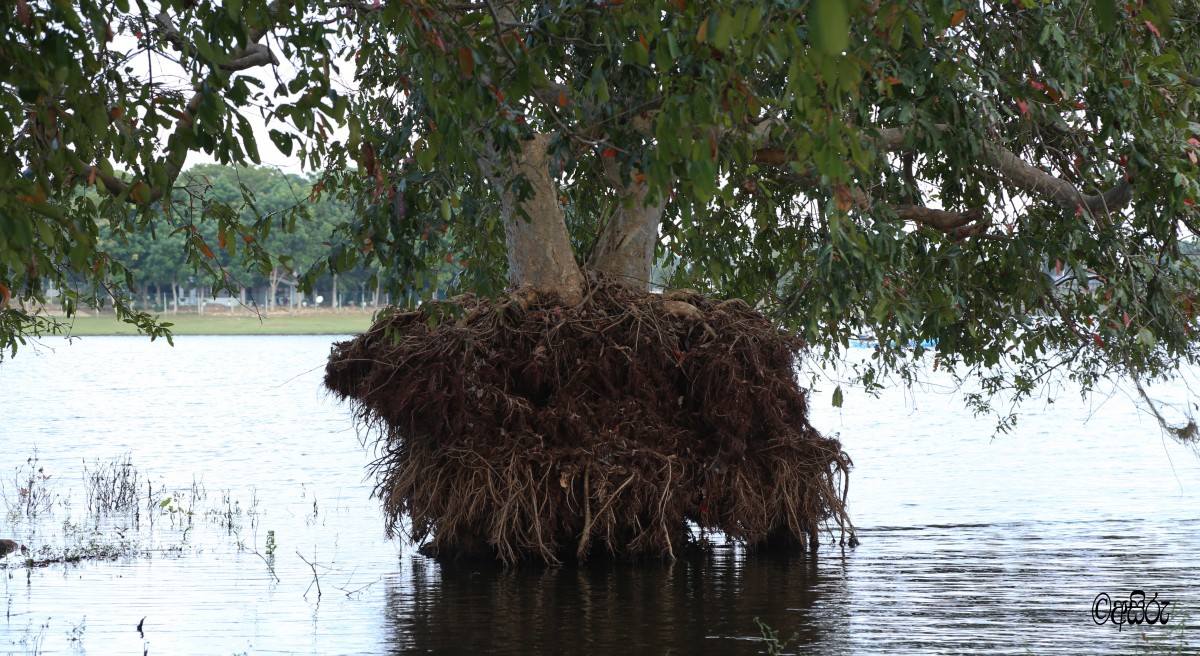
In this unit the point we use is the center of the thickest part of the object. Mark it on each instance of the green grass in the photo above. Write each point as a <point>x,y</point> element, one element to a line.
<point>345,323</point>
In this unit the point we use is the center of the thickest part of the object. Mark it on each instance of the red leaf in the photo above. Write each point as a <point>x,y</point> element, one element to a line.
<point>436,39</point>
<point>1188,202</point>
<point>23,12</point>
<point>1040,86</point>
<point>958,17</point>
<point>4,296</point>
<point>221,239</point>
<point>205,249</point>
<point>1099,341</point>
<point>1153,29</point>
<point>1058,267</point>
<point>466,61</point>
<point>368,155</point>
<point>562,99</point>
<point>843,199</point>
<point>1023,106</point>
<point>609,152</point>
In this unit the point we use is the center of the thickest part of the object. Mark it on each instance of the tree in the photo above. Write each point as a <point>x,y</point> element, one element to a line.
<point>84,105</point>
<point>917,172</point>
<point>1013,182</point>
<point>909,170</point>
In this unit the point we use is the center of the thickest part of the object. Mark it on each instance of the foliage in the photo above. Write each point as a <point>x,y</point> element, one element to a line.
<point>83,104</point>
<point>1012,181</point>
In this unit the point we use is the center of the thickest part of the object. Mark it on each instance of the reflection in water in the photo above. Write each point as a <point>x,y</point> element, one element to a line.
<point>703,604</point>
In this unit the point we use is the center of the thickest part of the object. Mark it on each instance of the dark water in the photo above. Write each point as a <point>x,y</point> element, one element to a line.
<point>969,545</point>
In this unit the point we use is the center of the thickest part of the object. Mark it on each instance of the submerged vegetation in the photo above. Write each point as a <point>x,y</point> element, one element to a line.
<point>126,514</point>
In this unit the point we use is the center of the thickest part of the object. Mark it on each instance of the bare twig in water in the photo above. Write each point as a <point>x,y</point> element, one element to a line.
<point>316,577</point>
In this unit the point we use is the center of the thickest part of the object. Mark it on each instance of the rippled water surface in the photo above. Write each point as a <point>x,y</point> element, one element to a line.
<point>254,531</point>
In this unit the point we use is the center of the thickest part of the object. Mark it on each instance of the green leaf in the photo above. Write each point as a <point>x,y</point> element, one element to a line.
<point>725,25</point>
<point>282,141</point>
<point>424,154</point>
<point>1145,337</point>
<point>1106,13</point>
<point>829,25</point>
<point>837,397</point>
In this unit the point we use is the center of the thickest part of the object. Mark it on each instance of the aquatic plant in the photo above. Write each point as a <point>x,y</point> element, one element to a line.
<point>30,493</point>
<point>770,638</point>
<point>111,486</point>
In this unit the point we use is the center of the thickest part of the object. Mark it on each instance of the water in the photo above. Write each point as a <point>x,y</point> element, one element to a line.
<point>968,544</point>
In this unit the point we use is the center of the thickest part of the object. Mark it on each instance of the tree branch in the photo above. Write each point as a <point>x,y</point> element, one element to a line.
<point>1029,178</point>
<point>252,55</point>
<point>960,225</point>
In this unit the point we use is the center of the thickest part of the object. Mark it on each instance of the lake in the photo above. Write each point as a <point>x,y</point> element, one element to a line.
<point>252,529</point>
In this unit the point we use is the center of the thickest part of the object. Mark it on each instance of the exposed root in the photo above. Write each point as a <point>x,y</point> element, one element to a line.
<point>520,428</point>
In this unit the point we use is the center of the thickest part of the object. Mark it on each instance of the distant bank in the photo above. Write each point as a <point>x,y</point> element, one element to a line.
<point>305,323</point>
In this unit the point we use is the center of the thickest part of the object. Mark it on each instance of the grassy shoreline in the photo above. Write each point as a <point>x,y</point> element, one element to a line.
<point>325,323</point>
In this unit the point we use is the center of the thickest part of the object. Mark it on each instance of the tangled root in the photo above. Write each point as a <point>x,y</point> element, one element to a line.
<point>519,428</point>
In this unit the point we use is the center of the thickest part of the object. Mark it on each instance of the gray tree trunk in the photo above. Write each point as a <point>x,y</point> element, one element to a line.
<point>625,248</point>
<point>539,249</point>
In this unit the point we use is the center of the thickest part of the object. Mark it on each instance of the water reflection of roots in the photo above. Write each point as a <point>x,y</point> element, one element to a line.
<point>520,428</point>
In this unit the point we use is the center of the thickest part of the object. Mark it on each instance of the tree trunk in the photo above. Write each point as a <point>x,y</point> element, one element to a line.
<point>273,280</point>
<point>333,294</point>
<point>174,297</point>
<point>625,248</point>
<point>539,248</point>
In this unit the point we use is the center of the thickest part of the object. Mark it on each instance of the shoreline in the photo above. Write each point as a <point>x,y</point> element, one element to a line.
<point>306,322</point>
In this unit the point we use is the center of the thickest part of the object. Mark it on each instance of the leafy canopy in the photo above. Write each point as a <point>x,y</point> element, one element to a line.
<point>1014,182</point>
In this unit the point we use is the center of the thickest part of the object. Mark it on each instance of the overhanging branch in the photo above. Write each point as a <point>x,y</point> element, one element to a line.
<point>251,55</point>
<point>1029,178</point>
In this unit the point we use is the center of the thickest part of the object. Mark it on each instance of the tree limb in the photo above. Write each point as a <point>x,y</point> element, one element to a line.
<point>1029,178</point>
<point>960,225</point>
<point>252,55</point>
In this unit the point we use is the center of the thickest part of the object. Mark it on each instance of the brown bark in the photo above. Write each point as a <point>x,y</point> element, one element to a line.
<point>625,248</point>
<point>539,249</point>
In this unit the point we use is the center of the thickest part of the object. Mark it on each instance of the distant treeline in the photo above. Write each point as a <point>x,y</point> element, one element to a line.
<point>301,228</point>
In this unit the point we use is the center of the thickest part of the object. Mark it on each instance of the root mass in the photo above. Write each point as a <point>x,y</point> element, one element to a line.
<point>628,425</point>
